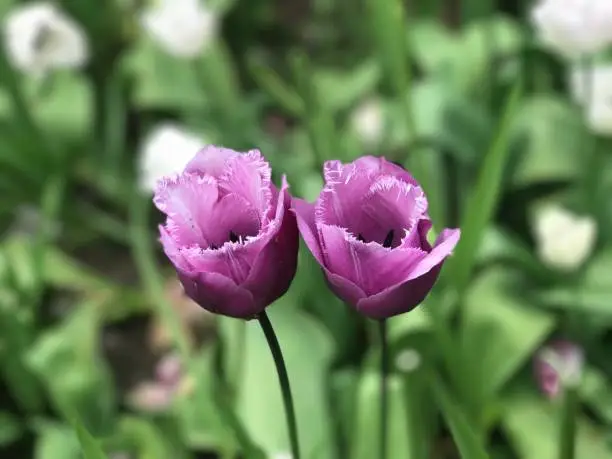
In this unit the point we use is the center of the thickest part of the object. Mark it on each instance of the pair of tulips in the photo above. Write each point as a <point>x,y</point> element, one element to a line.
<point>233,236</point>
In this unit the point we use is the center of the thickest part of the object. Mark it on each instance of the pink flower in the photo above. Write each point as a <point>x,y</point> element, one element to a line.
<point>228,232</point>
<point>558,365</point>
<point>368,232</point>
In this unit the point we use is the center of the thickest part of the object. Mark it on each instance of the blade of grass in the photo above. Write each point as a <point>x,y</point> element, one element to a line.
<point>318,121</point>
<point>467,442</point>
<point>269,81</point>
<point>89,445</point>
<point>484,198</point>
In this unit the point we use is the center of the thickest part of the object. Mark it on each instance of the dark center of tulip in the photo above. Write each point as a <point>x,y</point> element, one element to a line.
<point>387,243</point>
<point>388,239</point>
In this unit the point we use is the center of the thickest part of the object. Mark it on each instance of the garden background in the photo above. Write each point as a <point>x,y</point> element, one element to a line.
<point>96,336</point>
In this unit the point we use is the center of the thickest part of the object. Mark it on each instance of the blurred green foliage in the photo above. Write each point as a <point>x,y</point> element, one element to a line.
<point>470,104</point>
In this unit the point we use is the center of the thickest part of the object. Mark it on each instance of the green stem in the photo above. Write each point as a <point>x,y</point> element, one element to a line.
<point>283,379</point>
<point>384,402</point>
<point>567,432</point>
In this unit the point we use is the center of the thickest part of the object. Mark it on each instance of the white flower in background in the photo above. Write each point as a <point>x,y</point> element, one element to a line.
<point>574,27</point>
<point>564,240</point>
<point>282,455</point>
<point>368,121</point>
<point>183,28</point>
<point>39,37</point>
<point>166,151</point>
<point>597,104</point>
<point>408,360</point>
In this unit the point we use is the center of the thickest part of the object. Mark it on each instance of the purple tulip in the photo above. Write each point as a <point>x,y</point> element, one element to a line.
<point>558,365</point>
<point>368,232</point>
<point>228,231</point>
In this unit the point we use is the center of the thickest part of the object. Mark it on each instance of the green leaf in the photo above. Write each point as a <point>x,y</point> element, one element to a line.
<point>463,58</point>
<point>468,443</point>
<point>483,198</point>
<point>365,441</point>
<point>10,428</point>
<point>90,447</point>
<point>66,109</point>
<point>500,330</point>
<point>342,89</point>
<point>56,441</point>
<point>532,425</point>
<point>307,350</point>
<point>71,349</point>
<point>146,440</point>
<point>199,419</point>
<point>553,130</point>
<point>163,81</point>
<point>596,390</point>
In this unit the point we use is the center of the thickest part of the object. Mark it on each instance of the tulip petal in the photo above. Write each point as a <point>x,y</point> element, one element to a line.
<point>340,201</point>
<point>277,261</point>
<point>305,215</point>
<point>446,242</point>
<point>210,160</point>
<point>232,216</point>
<point>249,176</point>
<point>404,296</point>
<point>400,298</point>
<point>232,260</point>
<point>219,294</point>
<point>391,205</point>
<point>343,288</point>
<point>369,265</point>
<point>187,200</point>
<point>372,166</point>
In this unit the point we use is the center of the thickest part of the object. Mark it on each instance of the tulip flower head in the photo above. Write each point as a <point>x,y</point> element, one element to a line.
<point>228,231</point>
<point>574,27</point>
<point>368,231</point>
<point>39,37</point>
<point>183,28</point>
<point>559,365</point>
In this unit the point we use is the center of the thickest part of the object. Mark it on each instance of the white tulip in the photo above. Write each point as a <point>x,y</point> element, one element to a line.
<point>39,37</point>
<point>564,240</point>
<point>574,27</point>
<point>282,455</point>
<point>183,28</point>
<point>597,104</point>
<point>368,122</point>
<point>166,151</point>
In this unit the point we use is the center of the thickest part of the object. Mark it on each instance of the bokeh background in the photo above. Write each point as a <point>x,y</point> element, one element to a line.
<point>495,125</point>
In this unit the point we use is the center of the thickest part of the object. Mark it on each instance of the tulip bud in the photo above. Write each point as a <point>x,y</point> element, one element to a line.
<point>368,231</point>
<point>559,366</point>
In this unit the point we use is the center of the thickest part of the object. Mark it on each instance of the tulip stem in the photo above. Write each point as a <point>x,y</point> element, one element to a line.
<point>567,431</point>
<point>283,379</point>
<point>384,372</point>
